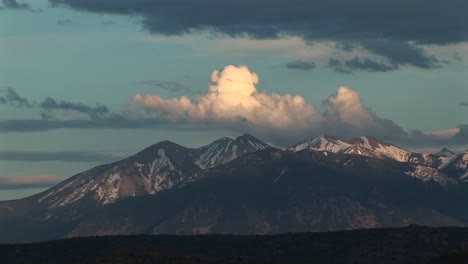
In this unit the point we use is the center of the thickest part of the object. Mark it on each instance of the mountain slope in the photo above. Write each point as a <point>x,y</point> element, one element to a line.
<point>159,167</point>
<point>225,149</point>
<point>162,166</point>
<point>305,191</point>
<point>444,166</point>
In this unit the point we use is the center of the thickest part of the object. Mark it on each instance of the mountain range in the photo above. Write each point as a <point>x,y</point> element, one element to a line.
<point>245,186</point>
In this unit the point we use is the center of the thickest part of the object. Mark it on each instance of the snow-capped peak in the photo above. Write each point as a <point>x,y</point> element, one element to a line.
<point>159,167</point>
<point>445,152</point>
<point>322,143</point>
<point>382,148</point>
<point>226,149</point>
<point>361,150</point>
<point>365,145</point>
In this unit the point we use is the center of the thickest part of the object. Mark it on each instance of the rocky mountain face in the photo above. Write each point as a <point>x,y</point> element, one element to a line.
<point>444,166</point>
<point>245,186</point>
<point>160,167</point>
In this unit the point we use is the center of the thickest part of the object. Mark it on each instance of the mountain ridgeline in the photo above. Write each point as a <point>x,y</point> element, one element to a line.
<point>245,186</point>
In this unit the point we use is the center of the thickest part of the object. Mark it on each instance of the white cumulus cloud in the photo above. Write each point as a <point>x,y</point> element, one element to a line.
<point>233,101</point>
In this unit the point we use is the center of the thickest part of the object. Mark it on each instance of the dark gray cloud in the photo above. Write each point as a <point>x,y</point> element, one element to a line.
<point>369,65</point>
<point>11,97</point>
<point>65,156</point>
<point>170,86</point>
<point>425,21</point>
<point>13,4</point>
<point>301,65</point>
<point>396,54</point>
<point>108,22</point>
<point>63,22</point>
<point>463,104</point>
<point>417,138</point>
<point>397,25</point>
<point>50,104</point>
<point>358,64</point>
<point>338,66</point>
<point>401,53</point>
<point>99,116</point>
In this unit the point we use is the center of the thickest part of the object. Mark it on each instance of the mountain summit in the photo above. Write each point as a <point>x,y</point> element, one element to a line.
<point>226,149</point>
<point>364,145</point>
<point>160,167</point>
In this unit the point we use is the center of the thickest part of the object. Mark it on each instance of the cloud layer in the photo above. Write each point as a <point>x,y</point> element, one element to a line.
<point>65,156</point>
<point>233,101</point>
<point>13,4</point>
<point>170,86</point>
<point>426,21</point>
<point>301,65</point>
<point>49,104</point>
<point>10,97</point>
<point>392,29</point>
<point>30,181</point>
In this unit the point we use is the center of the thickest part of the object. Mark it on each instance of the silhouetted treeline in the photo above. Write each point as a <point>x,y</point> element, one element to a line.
<point>409,245</point>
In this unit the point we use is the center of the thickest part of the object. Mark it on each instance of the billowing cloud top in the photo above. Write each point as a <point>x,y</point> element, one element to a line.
<point>232,101</point>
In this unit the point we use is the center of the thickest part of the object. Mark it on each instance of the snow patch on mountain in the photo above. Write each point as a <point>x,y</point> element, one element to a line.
<point>393,152</point>
<point>429,174</point>
<point>322,143</point>
<point>366,146</point>
<point>445,152</point>
<point>445,161</point>
<point>226,149</point>
<point>160,167</point>
<point>464,177</point>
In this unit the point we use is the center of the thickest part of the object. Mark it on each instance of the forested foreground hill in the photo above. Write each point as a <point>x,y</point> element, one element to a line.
<point>412,244</point>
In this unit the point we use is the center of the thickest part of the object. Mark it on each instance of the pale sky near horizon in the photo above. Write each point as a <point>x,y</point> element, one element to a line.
<point>84,56</point>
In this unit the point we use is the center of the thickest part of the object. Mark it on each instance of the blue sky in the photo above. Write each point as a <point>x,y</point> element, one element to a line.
<point>104,57</point>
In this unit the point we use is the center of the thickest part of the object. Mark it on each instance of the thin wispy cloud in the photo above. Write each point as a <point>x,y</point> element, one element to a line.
<point>108,22</point>
<point>118,123</point>
<point>64,156</point>
<point>301,65</point>
<point>50,104</point>
<point>63,22</point>
<point>27,182</point>
<point>358,64</point>
<point>10,97</point>
<point>170,86</point>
